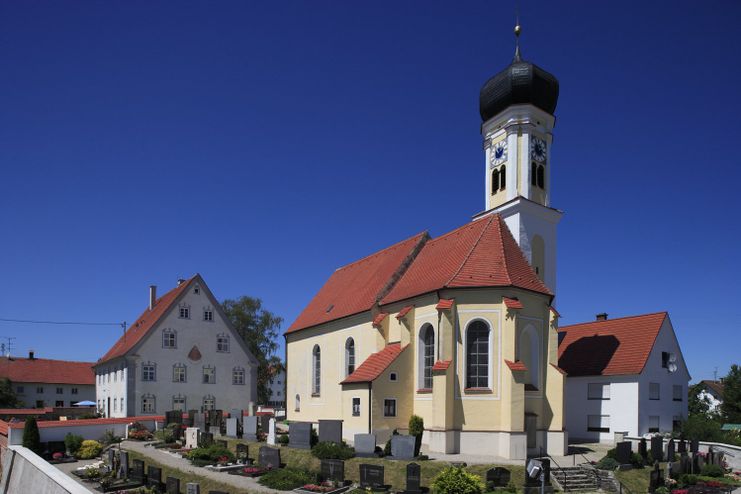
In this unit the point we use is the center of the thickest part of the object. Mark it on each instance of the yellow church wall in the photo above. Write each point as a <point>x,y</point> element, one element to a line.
<point>354,424</point>
<point>400,390</point>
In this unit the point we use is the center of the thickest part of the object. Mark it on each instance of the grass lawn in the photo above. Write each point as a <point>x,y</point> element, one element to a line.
<point>394,471</point>
<point>205,483</point>
<point>636,480</point>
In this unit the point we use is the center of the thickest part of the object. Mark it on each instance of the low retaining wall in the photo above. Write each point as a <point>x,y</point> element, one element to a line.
<point>732,453</point>
<point>88,429</point>
<point>24,471</point>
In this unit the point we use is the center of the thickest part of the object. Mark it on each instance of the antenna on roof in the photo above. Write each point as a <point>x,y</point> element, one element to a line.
<point>715,374</point>
<point>518,30</point>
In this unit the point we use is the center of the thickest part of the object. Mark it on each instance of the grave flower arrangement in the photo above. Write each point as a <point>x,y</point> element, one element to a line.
<point>323,487</point>
<point>57,456</point>
<point>138,432</point>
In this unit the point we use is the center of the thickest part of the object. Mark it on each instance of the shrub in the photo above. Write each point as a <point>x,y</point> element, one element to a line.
<point>687,479</point>
<point>212,454</point>
<point>611,453</point>
<point>314,438</point>
<point>165,435</point>
<point>387,447</point>
<point>712,471</point>
<point>282,439</point>
<point>89,449</point>
<point>454,480</point>
<point>108,438</point>
<point>72,442</point>
<point>636,460</point>
<point>31,439</point>
<point>416,429</point>
<point>661,490</point>
<point>287,479</point>
<point>607,463</point>
<point>330,450</point>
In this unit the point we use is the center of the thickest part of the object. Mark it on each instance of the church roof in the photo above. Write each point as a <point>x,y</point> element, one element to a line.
<point>609,348</point>
<point>520,83</point>
<point>374,365</point>
<point>142,325</point>
<point>482,253</point>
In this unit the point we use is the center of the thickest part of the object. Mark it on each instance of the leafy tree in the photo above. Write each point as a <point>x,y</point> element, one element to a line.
<point>8,398</point>
<point>697,406</point>
<point>258,328</point>
<point>731,406</point>
<point>31,438</point>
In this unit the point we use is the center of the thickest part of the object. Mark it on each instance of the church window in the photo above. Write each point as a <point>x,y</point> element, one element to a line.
<point>148,403</point>
<point>393,377</point>
<point>222,343</point>
<point>209,375</point>
<point>356,407</point>
<point>184,311</point>
<point>60,391</point>
<point>179,373</point>
<point>477,355</point>
<point>59,403</point>
<point>502,177</point>
<point>494,181</point>
<point>427,356</point>
<point>533,174</point>
<point>149,372</point>
<point>197,290</point>
<point>39,389</point>
<point>169,338</point>
<point>350,356</point>
<point>238,375</point>
<point>528,352</point>
<point>297,406</point>
<point>121,405</point>
<point>316,359</point>
<point>178,402</point>
<point>20,390</point>
<point>541,176</point>
<point>209,402</point>
<point>115,404</point>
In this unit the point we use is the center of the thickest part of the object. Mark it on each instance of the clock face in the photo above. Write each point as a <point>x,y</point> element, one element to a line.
<point>498,153</point>
<point>538,149</point>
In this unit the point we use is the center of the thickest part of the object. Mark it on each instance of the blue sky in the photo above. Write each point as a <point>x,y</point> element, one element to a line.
<point>264,145</point>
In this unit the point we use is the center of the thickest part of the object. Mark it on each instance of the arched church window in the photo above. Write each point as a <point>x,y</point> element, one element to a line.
<point>494,181</point>
<point>316,355</point>
<point>502,177</point>
<point>529,354</point>
<point>297,407</point>
<point>477,355</point>
<point>427,355</point>
<point>541,176</point>
<point>533,174</point>
<point>350,356</point>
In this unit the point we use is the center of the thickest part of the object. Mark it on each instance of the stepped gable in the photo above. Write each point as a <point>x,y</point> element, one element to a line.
<point>610,347</point>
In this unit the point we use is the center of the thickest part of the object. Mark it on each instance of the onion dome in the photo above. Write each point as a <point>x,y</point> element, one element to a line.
<point>520,83</point>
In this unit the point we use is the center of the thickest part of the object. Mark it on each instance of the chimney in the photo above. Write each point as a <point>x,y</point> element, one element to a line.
<point>602,316</point>
<point>152,296</point>
<point>181,281</point>
<point>30,355</point>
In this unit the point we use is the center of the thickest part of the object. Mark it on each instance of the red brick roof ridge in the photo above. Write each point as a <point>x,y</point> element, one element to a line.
<point>470,251</point>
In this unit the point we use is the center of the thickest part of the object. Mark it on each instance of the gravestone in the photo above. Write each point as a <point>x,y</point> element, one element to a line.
<point>333,470</point>
<point>268,457</point>
<point>178,432</point>
<point>191,438</point>
<point>214,430</point>
<point>330,431</point>
<point>192,488</point>
<point>205,439</point>
<point>172,485</point>
<point>657,448</point>
<point>123,466</point>
<point>670,455</point>
<point>694,446</point>
<point>685,464</point>
<point>137,470</point>
<point>189,421</point>
<point>643,449</point>
<point>215,418</point>
<point>371,476</point>
<point>173,417</point>
<point>498,477</point>
<point>681,446</point>
<point>402,447</point>
<point>414,479</point>
<point>249,428</point>
<point>365,445</point>
<point>242,451</point>
<point>623,452</point>
<point>264,421</point>
<point>271,432</point>
<point>231,427</point>
<point>299,435</point>
<point>655,478</point>
<point>154,477</point>
<point>199,421</point>
<point>223,443</point>
<point>111,456</point>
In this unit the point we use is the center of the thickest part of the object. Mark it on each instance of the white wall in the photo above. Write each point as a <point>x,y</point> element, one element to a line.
<point>49,396</point>
<point>90,430</point>
<point>622,407</point>
<point>110,382</point>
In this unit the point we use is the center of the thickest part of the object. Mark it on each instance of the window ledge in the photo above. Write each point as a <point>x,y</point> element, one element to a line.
<point>315,395</point>
<point>477,390</point>
<point>424,391</point>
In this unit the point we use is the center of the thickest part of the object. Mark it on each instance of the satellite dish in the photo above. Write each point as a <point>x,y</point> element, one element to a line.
<point>672,367</point>
<point>672,358</point>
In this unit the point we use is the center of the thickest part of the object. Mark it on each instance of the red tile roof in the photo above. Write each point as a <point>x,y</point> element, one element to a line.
<point>608,348</point>
<point>355,288</point>
<point>441,365</point>
<point>44,424</point>
<point>26,411</point>
<point>379,319</point>
<point>41,370</point>
<point>145,322</point>
<point>482,253</point>
<point>403,312</point>
<point>512,303</point>
<point>374,365</point>
<point>517,365</point>
<point>445,304</point>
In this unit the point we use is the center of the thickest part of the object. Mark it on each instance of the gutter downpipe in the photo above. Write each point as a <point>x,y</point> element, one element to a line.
<point>370,407</point>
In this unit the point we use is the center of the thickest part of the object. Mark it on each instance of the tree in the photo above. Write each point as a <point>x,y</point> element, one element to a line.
<point>31,438</point>
<point>259,330</point>
<point>696,405</point>
<point>731,406</point>
<point>8,398</point>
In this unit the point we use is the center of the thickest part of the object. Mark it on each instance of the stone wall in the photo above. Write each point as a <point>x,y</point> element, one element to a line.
<point>22,468</point>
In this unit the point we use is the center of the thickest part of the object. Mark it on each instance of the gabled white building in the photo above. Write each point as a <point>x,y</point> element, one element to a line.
<point>623,375</point>
<point>182,353</point>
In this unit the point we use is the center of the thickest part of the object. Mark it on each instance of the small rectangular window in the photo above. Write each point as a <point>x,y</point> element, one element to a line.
<point>74,391</point>
<point>148,404</point>
<point>222,344</point>
<point>178,403</point>
<point>356,407</point>
<point>148,372</point>
<point>19,390</point>
<point>179,374</point>
<point>654,422</point>
<point>169,339</point>
<point>39,403</point>
<point>209,403</point>
<point>209,375</point>
<point>39,389</point>
<point>208,315</point>
<point>389,407</point>
<point>238,376</point>
<point>677,394</point>
<point>393,377</point>
<point>676,423</point>
<point>59,403</point>
<point>654,391</point>
<point>184,312</point>
<point>598,391</point>
<point>598,423</point>
<point>60,391</point>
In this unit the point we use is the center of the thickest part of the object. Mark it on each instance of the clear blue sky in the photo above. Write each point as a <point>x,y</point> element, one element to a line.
<point>264,145</point>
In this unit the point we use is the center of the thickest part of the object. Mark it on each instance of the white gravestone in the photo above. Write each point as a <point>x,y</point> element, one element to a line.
<point>271,432</point>
<point>191,437</point>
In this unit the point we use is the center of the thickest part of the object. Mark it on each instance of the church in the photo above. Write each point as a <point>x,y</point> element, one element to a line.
<point>459,329</point>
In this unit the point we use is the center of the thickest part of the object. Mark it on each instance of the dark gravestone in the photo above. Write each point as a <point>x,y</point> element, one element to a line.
<point>365,445</point>
<point>205,439</point>
<point>223,443</point>
<point>111,456</point>
<point>694,446</point>
<point>670,454</point>
<point>414,479</point>
<point>242,451</point>
<point>269,457</point>
<point>402,447</point>
<point>123,467</point>
<point>173,417</point>
<point>498,477</point>
<point>137,470</point>
<point>154,477</point>
<point>643,449</point>
<point>192,488</point>
<point>199,421</point>
<point>264,421</point>
<point>681,446</point>
<point>333,470</point>
<point>299,435</point>
<point>215,418</point>
<point>172,485</point>
<point>657,448</point>
<point>623,452</point>
<point>371,476</point>
<point>330,431</point>
<point>249,428</point>
<point>57,447</point>
<point>685,464</point>
<point>656,480</point>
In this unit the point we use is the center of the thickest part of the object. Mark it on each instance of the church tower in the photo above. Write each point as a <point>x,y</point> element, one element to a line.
<point>517,108</point>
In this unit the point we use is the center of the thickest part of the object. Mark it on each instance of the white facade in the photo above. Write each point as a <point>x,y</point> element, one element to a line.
<point>40,395</point>
<point>194,362</point>
<point>629,403</point>
<point>277,390</point>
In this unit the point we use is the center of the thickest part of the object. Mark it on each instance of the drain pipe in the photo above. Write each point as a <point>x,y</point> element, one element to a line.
<point>370,407</point>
